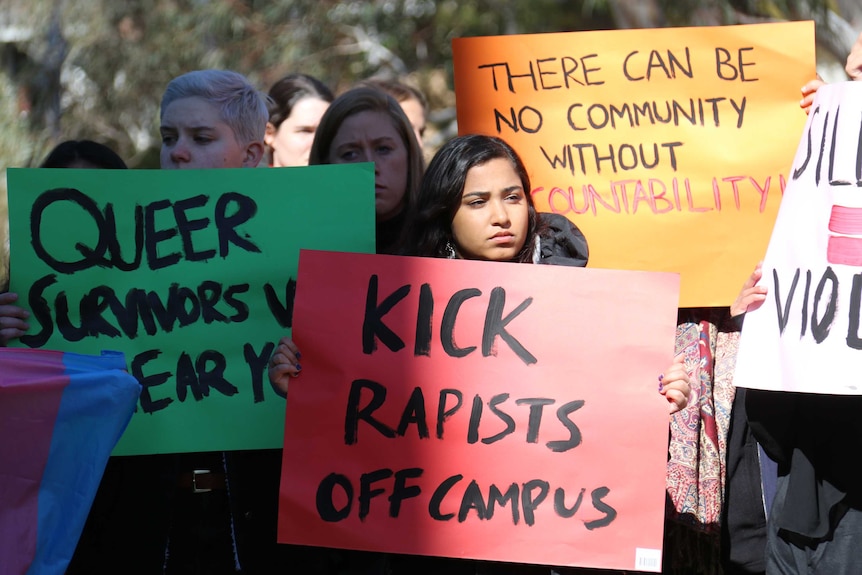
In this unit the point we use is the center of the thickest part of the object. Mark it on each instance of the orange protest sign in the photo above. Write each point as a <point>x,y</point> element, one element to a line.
<point>669,148</point>
<point>478,410</point>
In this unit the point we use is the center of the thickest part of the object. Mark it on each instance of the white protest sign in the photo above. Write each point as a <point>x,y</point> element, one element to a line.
<point>806,336</point>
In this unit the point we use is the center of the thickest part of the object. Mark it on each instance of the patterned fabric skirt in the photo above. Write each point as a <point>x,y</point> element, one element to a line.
<point>709,340</point>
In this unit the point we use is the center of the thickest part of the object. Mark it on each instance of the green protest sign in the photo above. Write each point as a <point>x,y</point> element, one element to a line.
<point>190,273</point>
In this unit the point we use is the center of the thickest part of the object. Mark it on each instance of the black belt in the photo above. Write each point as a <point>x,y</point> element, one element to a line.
<point>202,481</point>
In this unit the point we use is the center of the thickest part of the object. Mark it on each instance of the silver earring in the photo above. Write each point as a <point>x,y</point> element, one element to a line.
<point>449,250</point>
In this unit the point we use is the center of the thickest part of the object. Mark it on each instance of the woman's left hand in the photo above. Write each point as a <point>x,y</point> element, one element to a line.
<point>752,295</point>
<point>808,92</point>
<point>675,385</point>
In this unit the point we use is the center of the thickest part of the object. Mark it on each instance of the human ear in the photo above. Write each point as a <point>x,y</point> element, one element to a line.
<point>253,155</point>
<point>269,135</point>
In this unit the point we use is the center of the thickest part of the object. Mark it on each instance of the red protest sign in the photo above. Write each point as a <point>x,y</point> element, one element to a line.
<point>478,409</point>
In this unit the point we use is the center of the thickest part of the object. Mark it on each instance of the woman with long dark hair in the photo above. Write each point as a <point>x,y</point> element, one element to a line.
<point>367,125</point>
<point>449,211</point>
<point>474,203</point>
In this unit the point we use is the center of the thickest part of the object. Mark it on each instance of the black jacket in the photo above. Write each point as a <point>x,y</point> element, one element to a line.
<point>561,243</point>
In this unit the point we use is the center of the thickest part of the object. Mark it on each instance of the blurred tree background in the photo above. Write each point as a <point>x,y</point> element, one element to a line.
<point>96,68</point>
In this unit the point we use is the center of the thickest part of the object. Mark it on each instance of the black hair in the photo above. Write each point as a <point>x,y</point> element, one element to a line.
<point>67,154</point>
<point>285,93</point>
<point>430,221</point>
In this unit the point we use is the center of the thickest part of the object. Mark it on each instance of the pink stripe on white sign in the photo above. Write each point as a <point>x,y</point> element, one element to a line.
<point>844,251</point>
<point>845,220</point>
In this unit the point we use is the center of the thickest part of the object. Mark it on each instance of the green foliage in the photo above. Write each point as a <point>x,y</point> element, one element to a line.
<point>120,55</point>
<point>686,12</point>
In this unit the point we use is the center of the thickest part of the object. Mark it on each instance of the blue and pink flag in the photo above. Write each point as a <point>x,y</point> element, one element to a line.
<point>60,416</point>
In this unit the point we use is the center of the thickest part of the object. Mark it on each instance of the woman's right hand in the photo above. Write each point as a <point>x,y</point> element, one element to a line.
<point>284,364</point>
<point>13,319</point>
<point>752,295</point>
<point>808,92</point>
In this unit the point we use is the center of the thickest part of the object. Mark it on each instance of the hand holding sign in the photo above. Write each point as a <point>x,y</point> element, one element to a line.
<point>674,382</point>
<point>806,336</point>
<point>808,92</point>
<point>190,273</point>
<point>284,363</point>
<point>675,385</point>
<point>752,295</point>
<point>13,318</point>
<point>478,401</point>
